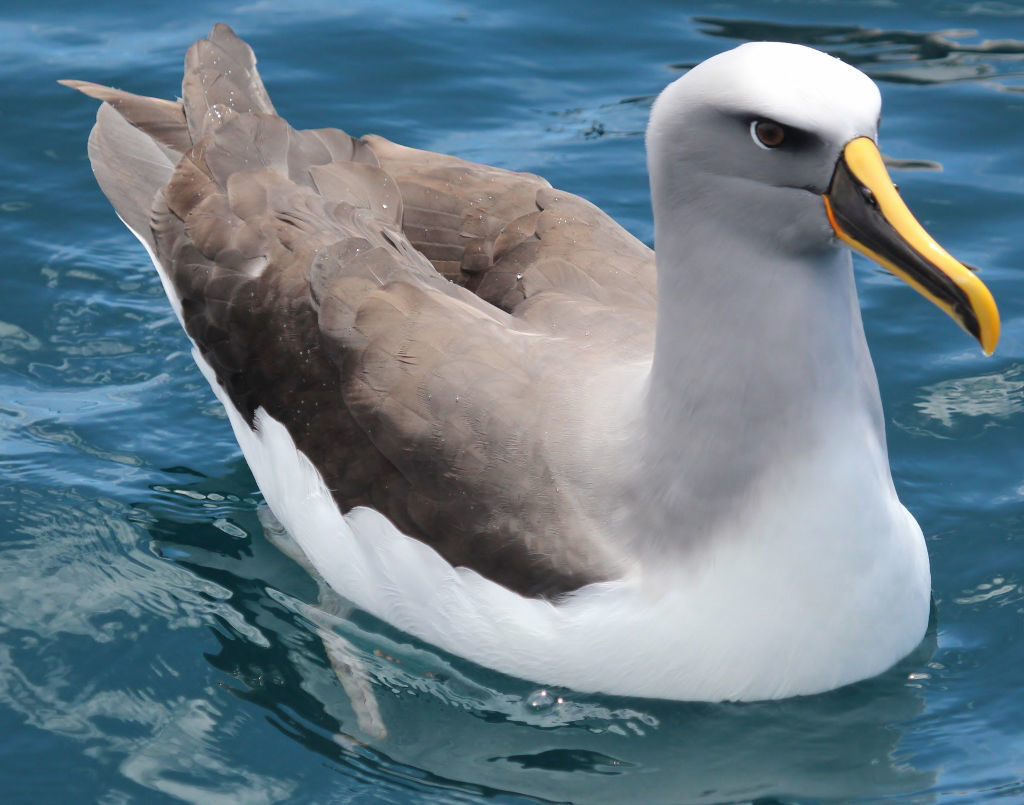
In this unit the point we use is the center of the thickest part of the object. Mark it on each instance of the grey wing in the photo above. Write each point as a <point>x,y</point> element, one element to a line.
<point>298,260</point>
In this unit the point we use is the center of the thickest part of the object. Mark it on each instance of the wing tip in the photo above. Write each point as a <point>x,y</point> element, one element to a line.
<point>85,87</point>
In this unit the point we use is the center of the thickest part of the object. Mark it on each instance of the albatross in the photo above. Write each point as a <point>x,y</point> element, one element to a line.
<point>491,417</point>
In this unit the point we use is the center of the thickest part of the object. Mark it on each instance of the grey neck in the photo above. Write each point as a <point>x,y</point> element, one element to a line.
<point>759,358</point>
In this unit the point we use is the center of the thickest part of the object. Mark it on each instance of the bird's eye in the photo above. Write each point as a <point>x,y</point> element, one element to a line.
<point>767,133</point>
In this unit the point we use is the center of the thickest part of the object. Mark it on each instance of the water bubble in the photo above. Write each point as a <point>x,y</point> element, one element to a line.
<point>541,700</point>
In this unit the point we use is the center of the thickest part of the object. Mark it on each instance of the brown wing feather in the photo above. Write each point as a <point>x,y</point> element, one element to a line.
<point>511,237</point>
<point>301,263</point>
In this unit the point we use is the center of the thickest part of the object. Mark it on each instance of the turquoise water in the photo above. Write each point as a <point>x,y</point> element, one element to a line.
<point>154,646</point>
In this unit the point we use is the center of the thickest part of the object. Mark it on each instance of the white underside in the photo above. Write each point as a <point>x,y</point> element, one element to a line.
<point>800,609</point>
<point>729,627</point>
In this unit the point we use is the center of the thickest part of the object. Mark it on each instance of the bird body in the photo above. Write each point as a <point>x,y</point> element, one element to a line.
<point>492,418</point>
<point>714,624</point>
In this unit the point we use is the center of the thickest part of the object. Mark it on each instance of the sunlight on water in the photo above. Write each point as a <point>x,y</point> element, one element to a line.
<point>995,396</point>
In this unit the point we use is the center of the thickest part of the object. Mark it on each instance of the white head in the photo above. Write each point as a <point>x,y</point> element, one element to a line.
<point>701,138</point>
<point>766,154</point>
<point>792,84</point>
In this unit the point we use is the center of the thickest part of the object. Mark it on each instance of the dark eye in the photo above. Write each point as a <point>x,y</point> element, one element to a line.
<point>768,133</point>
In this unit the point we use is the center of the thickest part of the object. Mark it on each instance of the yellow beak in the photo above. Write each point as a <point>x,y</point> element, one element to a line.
<point>867,213</point>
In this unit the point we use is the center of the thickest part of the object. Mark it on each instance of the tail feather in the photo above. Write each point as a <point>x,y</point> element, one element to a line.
<point>220,75</point>
<point>138,140</point>
<point>225,124</point>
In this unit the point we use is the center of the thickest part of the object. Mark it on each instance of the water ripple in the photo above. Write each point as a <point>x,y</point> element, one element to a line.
<point>77,567</point>
<point>994,396</point>
<point>894,56</point>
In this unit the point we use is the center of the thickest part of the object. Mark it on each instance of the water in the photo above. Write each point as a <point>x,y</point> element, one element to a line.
<point>155,647</point>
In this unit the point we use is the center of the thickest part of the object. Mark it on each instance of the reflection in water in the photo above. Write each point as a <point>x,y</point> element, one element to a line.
<point>568,760</point>
<point>993,396</point>
<point>999,591</point>
<point>905,57</point>
<point>463,723</point>
<point>75,581</point>
<point>96,582</point>
<point>181,756</point>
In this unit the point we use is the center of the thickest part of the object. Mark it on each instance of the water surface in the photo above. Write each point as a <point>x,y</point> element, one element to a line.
<point>154,645</point>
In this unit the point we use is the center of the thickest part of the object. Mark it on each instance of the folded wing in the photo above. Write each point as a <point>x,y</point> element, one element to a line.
<point>402,313</point>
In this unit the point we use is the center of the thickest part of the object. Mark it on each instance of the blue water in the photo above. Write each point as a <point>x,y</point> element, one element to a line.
<point>154,647</point>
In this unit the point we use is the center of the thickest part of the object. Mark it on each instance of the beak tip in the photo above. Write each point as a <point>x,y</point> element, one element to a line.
<point>986,314</point>
<point>989,337</point>
<point>886,231</point>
